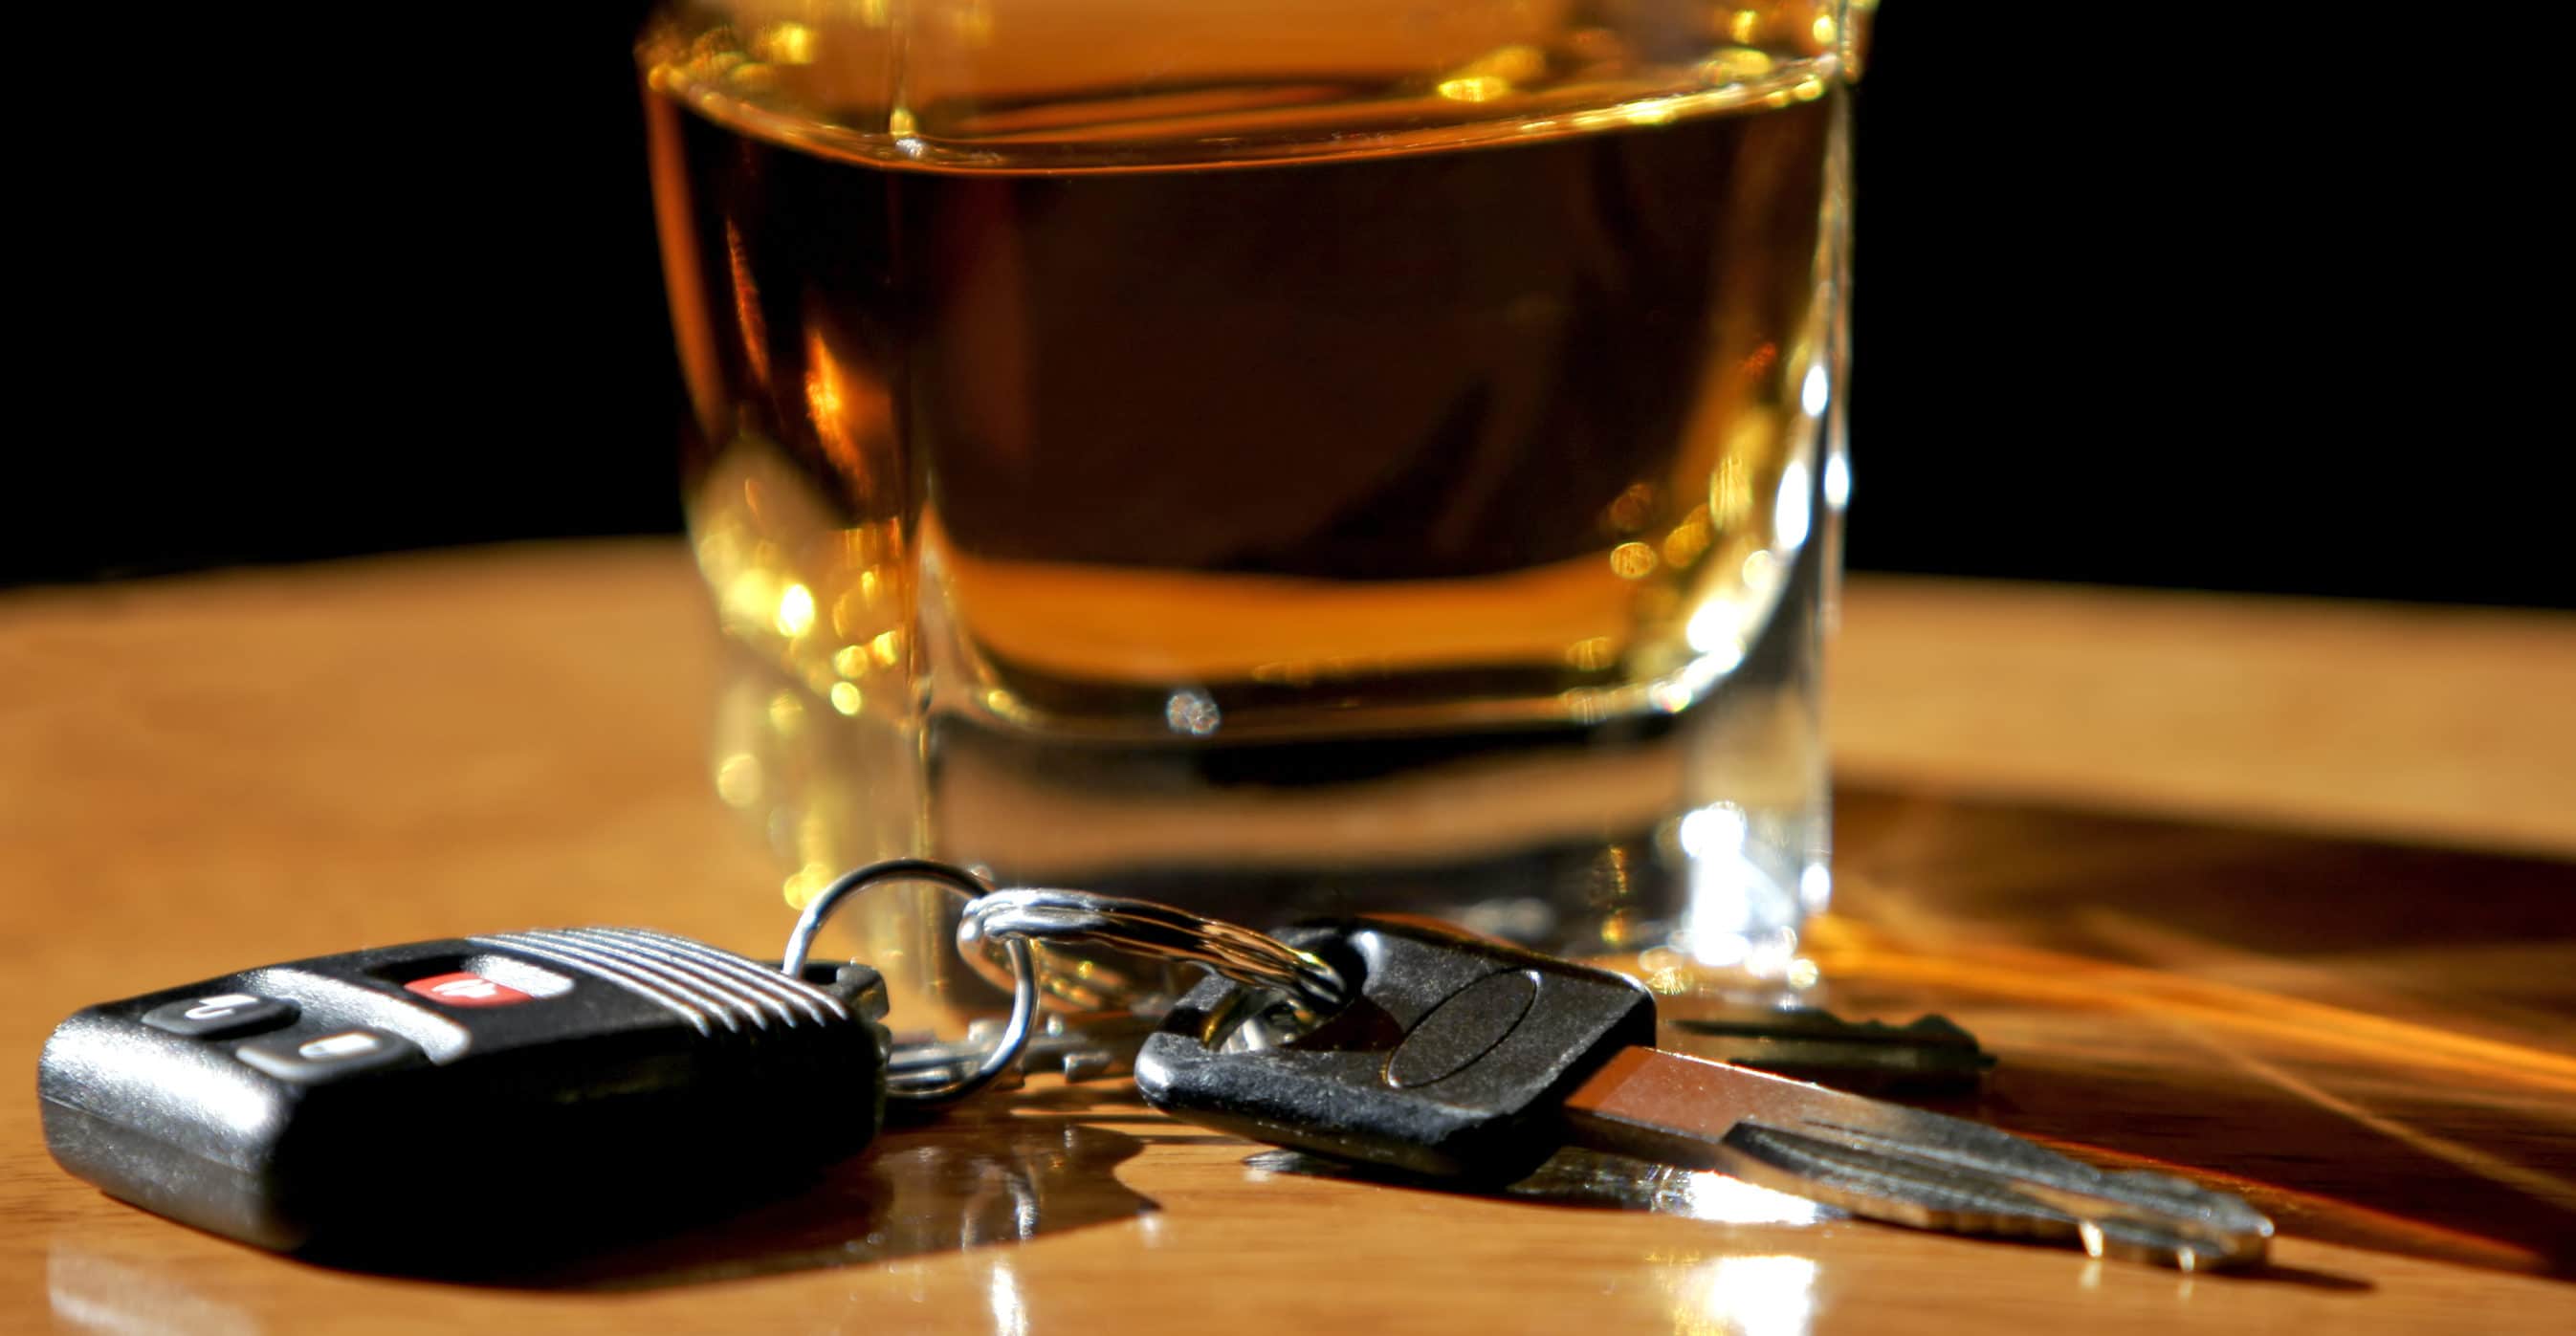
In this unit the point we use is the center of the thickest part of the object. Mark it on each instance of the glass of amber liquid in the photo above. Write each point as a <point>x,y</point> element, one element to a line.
<point>1277,456</point>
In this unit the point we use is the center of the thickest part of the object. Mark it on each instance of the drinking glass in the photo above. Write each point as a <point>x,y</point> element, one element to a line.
<point>1275,456</point>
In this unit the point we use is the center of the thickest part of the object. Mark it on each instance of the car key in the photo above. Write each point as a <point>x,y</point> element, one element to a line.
<point>1457,1056</point>
<point>464,1096</point>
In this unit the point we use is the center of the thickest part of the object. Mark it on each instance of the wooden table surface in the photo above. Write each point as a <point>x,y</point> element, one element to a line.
<point>2273,892</point>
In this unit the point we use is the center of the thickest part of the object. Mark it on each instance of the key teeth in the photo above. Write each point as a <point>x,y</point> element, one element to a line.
<point>2224,1210</point>
<point>2143,1241</point>
<point>1868,1176</point>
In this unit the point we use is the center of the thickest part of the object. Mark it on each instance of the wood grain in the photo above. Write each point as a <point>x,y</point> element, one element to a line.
<point>2182,862</point>
<point>2434,723</point>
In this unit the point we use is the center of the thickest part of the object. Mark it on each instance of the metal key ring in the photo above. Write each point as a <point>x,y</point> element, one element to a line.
<point>1016,916</point>
<point>1022,978</point>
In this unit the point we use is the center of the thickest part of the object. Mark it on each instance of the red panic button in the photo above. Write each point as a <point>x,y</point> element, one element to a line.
<point>467,990</point>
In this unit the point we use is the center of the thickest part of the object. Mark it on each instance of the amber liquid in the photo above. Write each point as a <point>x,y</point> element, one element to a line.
<point>1153,479</point>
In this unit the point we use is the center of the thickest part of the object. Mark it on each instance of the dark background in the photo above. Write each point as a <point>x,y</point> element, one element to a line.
<point>2135,304</point>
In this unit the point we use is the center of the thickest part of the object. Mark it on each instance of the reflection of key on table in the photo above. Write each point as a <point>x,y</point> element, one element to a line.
<point>2278,889</point>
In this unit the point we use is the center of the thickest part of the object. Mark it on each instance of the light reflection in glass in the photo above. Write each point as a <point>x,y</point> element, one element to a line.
<point>1730,492</point>
<point>1734,65</point>
<point>1193,713</point>
<point>784,43</point>
<point>1688,539</point>
<point>738,780</point>
<point>754,331</point>
<point>1816,391</point>
<point>802,884</point>
<point>1653,111</point>
<point>1837,481</point>
<point>1760,571</point>
<point>1789,517</point>
<point>1592,654</point>
<point>795,611</point>
<point>1717,629</point>
<point>1815,887</point>
<point>1696,678</point>
<point>1738,915</point>
<point>971,21</point>
<point>1718,828</point>
<point>1474,88</point>
<point>751,598</point>
<point>1631,508</point>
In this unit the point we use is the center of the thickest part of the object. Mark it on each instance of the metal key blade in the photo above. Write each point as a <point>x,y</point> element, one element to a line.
<point>1909,1166</point>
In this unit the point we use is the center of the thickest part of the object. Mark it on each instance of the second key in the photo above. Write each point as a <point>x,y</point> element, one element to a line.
<point>1459,1057</point>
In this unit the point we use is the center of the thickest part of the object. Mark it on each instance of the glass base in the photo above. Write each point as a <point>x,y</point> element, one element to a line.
<point>1685,849</point>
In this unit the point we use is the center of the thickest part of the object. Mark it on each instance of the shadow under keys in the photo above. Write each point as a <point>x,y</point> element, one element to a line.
<point>979,1175</point>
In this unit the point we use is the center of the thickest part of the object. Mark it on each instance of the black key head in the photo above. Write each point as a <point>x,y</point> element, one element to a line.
<point>1451,1059</point>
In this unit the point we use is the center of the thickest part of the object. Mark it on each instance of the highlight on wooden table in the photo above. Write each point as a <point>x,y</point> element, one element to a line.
<point>2272,895</point>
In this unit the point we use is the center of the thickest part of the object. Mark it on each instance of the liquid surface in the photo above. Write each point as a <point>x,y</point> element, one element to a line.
<point>1509,433</point>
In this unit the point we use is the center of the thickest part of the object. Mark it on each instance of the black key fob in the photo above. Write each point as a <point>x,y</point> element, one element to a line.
<point>466,1098</point>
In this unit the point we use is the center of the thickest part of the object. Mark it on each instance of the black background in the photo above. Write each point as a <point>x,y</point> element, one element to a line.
<point>2235,308</point>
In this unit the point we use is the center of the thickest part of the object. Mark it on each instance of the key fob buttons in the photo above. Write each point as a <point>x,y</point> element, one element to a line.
<point>461,989</point>
<point>327,1057</point>
<point>220,1016</point>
